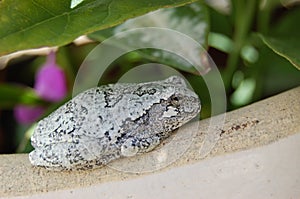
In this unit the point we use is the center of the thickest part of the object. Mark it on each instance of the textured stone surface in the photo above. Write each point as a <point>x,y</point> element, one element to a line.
<point>256,125</point>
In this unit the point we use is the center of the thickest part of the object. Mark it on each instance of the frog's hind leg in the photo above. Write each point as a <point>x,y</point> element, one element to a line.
<point>134,145</point>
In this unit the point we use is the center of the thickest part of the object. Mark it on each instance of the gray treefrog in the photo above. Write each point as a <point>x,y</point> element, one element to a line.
<point>112,121</point>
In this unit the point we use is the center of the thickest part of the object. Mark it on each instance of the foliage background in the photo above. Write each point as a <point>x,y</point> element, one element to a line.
<point>255,45</point>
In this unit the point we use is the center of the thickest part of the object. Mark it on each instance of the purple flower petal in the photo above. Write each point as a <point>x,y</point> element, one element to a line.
<point>27,114</point>
<point>50,81</point>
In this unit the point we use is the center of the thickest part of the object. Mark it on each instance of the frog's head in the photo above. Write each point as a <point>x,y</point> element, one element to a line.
<point>182,103</point>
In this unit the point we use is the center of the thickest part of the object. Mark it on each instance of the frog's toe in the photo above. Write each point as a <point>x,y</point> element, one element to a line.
<point>129,149</point>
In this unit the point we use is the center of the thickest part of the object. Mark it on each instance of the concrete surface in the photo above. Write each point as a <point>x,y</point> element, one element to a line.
<point>265,172</point>
<point>256,156</point>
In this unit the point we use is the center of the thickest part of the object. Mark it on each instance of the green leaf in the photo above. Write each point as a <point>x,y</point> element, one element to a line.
<point>191,20</point>
<point>35,23</point>
<point>284,39</point>
<point>220,23</point>
<point>11,95</point>
<point>288,25</point>
<point>288,48</point>
<point>220,42</point>
<point>275,74</point>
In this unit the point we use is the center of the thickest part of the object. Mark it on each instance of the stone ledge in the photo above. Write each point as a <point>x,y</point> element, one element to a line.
<point>252,126</point>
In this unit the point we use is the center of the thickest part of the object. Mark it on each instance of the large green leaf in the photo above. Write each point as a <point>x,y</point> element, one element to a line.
<point>284,37</point>
<point>191,20</point>
<point>11,95</point>
<point>288,25</point>
<point>289,48</point>
<point>35,23</point>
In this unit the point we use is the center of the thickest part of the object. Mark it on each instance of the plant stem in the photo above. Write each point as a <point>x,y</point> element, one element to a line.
<point>264,15</point>
<point>263,25</point>
<point>243,14</point>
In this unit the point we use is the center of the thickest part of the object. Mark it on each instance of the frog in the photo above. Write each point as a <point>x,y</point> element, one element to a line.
<point>113,121</point>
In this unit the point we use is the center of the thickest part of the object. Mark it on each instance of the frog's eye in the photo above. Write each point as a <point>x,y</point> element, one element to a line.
<point>174,100</point>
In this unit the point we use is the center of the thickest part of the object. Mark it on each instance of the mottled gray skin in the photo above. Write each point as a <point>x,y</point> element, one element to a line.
<point>112,121</point>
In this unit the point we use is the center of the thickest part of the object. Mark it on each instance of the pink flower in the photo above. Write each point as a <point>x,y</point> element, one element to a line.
<point>50,82</point>
<point>50,85</point>
<point>27,114</point>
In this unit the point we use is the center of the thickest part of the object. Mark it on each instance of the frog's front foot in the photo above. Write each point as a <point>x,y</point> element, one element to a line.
<point>133,146</point>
